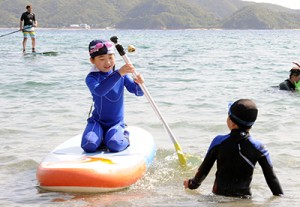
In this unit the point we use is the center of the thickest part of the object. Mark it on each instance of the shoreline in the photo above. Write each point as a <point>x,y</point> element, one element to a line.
<point>70,28</point>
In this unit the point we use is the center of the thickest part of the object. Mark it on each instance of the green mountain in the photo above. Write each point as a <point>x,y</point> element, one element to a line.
<point>152,14</point>
<point>263,16</point>
<point>62,13</point>
<point>167,14</point>
<point>221,8</point>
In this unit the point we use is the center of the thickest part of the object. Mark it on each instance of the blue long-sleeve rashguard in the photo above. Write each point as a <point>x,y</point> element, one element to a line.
<point>106,125</point>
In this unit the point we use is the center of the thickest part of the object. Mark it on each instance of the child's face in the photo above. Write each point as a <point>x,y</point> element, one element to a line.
<point>297,78</point>
<point>104,63</point>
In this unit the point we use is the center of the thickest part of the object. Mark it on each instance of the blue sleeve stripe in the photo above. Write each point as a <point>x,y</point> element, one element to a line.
<point>217,140</point>
<point>262,149</point>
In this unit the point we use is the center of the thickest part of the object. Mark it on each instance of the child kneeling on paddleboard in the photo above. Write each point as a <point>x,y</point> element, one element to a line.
<point>106,84</point>
<point>236,154</point>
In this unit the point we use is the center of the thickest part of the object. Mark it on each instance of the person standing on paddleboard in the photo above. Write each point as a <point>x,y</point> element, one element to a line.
<point>106,84</point>
<point>30,22</point>
<point>293,81</point>
<point>236,154</point>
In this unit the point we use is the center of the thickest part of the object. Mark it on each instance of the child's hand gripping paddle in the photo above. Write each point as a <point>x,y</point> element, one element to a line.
<point>179,152</point>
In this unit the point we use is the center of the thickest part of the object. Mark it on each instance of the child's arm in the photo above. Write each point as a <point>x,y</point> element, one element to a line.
<point>203,170</point>
<point>125,69</point>
<point>129,68</point>
<point>139,79</point>
<point>103,87</point>
<point>132,85</point>
<point>270,176</point>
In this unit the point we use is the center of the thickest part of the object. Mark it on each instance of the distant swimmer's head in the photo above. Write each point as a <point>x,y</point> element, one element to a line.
<point>243,113</point>
<point>295,71</point>
<point>100,47</point>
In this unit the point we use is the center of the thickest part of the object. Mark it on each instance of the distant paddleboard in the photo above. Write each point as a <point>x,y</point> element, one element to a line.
<point>48,53</point>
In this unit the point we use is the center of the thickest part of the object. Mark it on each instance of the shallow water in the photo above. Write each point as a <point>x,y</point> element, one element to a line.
<point>191,75</point>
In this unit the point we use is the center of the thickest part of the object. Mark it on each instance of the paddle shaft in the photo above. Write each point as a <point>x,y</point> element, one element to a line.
<point>152,103</point>
<point>9,33</point>
<point>180,155</point>
<point>26,27</point>
<point>296,64</point>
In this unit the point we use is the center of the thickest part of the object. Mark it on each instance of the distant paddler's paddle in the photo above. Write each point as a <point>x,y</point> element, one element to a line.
<point>26,27</point>
<point>178,149</point>
<point>9,33</point>
<point>297,64</point>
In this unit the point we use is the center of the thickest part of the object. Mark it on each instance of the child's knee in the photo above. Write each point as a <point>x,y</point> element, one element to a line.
<point>115,140</point>
<point>117,145</point>
<point>90,142</point>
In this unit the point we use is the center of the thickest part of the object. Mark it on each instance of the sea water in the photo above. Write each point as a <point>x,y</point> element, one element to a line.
<point>192,75</point>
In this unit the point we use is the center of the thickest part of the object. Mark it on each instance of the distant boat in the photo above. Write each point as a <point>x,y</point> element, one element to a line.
<point>85,26</point>
<point>80,26</point>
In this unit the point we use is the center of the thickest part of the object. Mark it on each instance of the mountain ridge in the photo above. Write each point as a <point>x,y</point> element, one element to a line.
<point>153,14</point>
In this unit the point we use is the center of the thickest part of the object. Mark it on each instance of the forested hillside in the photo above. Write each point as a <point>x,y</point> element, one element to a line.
<point>152,14</point>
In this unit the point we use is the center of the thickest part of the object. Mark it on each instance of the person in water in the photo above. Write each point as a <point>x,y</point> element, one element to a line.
<point>236,154</point>
<point>294,80</point>
<point>106,125</point>
<point>28,27</point>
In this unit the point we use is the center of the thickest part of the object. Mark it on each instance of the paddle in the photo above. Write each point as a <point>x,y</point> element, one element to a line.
<point>179,152</point>
<point>297,64</point>
<point>9,33</point>
<point>26,27</point>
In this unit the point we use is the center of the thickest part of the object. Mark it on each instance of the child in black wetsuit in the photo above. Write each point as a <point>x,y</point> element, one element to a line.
<point>294,79</point>
<point>236,154</point>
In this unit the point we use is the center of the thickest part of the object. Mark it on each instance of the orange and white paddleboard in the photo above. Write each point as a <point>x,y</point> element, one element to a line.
<point>69,169</point>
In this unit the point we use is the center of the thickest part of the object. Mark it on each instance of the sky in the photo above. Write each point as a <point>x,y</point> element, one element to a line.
<point>292,4</point>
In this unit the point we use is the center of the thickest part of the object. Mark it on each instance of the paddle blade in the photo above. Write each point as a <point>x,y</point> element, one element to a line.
<point>180,154</point>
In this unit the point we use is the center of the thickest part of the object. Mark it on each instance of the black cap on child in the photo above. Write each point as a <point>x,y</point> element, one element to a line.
<point>243,112</point>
